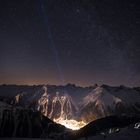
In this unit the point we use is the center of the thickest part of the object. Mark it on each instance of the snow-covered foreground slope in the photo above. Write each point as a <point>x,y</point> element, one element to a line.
<point>124,134</point>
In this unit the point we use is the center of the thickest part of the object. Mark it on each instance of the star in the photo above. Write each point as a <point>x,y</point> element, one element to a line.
<point>77,10</point>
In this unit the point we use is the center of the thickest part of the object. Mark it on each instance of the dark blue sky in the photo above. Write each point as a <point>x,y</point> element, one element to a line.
<point>70,41</point>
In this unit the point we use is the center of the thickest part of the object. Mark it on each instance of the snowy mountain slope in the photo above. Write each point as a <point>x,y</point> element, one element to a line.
<point>104,101</point>
<point>129,95</point>
<point>101,96</point>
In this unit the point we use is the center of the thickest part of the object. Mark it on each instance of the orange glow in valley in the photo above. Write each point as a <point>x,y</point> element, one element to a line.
<point>71,124</point>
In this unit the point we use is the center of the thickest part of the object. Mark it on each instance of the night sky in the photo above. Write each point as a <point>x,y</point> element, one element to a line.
<point>70,41</point>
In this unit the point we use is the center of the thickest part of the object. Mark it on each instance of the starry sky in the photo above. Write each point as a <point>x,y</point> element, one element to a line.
<point>70,41</point>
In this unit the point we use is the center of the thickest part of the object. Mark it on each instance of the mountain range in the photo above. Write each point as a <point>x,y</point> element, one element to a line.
<point>26,109</point>
<point>70,101</point>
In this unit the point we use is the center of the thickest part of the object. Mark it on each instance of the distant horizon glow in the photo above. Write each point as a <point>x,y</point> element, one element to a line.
<point>64,84</point>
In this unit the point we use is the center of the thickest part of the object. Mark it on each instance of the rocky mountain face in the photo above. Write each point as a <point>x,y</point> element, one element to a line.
<point>104,101</point>
<point>72,102</point>
<point>58,106</point>
<point>53,106</point>
<point>19,122</point>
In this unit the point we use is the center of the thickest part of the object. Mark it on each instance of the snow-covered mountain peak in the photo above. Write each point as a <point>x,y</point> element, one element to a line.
<point>101,96</point>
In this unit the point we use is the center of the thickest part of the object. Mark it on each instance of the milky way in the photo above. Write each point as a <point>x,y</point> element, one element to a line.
<point>67,41</point>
